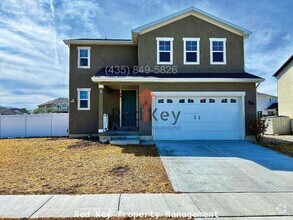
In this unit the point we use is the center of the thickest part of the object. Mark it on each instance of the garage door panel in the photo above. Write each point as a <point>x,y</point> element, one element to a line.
<point>206,127</point>
<point>217,118</point>
<point>199,117</point>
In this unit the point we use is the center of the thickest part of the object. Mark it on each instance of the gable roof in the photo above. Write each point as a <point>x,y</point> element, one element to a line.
<point>283,66</point>
<point>58,101</point>
<point>197,13</point>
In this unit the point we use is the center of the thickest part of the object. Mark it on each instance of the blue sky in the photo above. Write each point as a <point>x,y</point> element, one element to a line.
<point>34,59</point>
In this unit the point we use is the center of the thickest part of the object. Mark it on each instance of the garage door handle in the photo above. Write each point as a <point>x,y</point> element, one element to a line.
<point>199,117</point>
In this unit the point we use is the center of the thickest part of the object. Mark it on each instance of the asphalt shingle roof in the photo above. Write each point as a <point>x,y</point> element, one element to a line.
<point>131,73</point>
<point>273,106</point>
<point>58,101</point>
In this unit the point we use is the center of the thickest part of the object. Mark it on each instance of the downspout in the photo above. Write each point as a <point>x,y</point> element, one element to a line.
<point>257,85</point>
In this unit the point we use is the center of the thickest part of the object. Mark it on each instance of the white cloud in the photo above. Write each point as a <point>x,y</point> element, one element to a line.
<point>266,51</point>
<point>34,59</point>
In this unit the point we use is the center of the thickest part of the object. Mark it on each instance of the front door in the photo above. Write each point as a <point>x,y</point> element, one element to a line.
<point>129,108</point>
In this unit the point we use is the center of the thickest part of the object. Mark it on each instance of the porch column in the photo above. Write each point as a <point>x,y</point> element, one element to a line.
<point>120,107</point>
<point>101,107</point>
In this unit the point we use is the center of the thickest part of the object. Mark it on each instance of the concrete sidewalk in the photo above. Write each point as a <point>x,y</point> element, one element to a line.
<point>224,205</point>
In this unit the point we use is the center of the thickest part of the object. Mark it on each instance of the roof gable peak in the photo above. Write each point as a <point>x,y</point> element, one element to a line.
<point>195,12</point>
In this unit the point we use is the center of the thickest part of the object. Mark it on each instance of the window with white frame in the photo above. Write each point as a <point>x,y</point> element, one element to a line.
<point>232,100</point>
<point>164,50</point>
<point>84,57</point>
<point>191,51</point>
<point>84,98</point>
<point>218,50</point>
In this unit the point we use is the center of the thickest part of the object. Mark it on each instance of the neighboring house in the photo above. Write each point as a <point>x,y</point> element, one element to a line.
<point>266,104</point>
<point>62,104</point>
<point>284,76</point>
<point>10,111</point>
<point>178,78</point>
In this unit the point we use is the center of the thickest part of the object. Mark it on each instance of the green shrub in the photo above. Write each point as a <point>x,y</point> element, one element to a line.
<point>258,128</point>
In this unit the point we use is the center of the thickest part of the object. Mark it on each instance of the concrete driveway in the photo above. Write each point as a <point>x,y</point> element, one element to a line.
<point>225,166</point>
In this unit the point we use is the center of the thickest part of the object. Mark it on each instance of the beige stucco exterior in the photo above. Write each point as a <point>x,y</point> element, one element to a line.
<point>285,91</point>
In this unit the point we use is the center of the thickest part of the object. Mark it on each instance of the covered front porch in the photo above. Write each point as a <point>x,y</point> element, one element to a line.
<point>118,109</point>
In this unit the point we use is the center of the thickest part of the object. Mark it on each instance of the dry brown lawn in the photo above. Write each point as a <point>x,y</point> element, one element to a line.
<point>286,149</point>
<point>280,143</point>
<point>74,166</point>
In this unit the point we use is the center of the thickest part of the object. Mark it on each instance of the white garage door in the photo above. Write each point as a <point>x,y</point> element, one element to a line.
<point>198,116</point>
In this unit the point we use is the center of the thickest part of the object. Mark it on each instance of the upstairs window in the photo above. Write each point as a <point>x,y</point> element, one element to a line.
<point>164,50</point>
<point>84,57</point>
<point>191,51</point>
<point>83,96</point>
<point>218,50</point>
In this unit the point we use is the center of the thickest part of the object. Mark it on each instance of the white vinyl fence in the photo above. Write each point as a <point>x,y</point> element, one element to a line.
<point>34,125</point>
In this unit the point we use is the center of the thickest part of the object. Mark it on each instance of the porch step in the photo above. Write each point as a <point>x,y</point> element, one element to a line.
<point>120,133</point>
<point>123,142</point>
<point>125,137</point>
<point>147,143</point>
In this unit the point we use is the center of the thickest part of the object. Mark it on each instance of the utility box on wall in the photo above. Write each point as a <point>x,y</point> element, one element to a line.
<point>278,125</point>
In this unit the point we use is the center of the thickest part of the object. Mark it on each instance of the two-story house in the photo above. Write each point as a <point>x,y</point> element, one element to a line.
<point>284,76</point>
<point>181,77</point>
<point>61,104</point>
<point>266,104</point>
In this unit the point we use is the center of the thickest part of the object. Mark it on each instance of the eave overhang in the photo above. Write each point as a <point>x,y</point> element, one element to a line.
<point>105,79</point>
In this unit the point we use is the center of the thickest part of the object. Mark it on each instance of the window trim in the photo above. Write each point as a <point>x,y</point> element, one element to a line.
<point>224,51</point>
<point>204,101</point>
<point>89,98</point>
<point>233,100</point>
<point>171,39</point>
<point>161,101</point>
<point>222,100</point>
<point>197,51</point>
<point>190,101</point>
<point>89,58</point>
